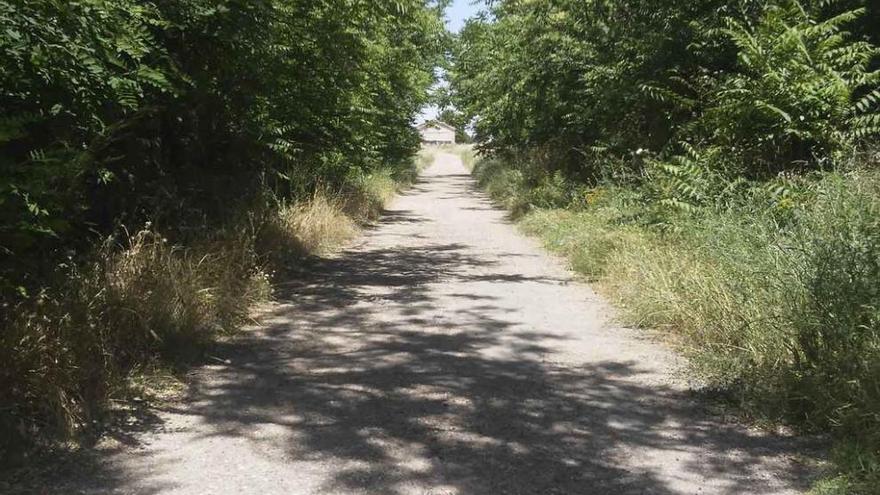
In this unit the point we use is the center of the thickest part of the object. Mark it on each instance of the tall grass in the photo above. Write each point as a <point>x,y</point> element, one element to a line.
<point>777,303</point>
<point>316,226</point>
<point>327,220</point>
<point>426,157</point>
<point>64,352</point>
<point>139,302</point>
<point>366,197</point>
<point>519,187</point>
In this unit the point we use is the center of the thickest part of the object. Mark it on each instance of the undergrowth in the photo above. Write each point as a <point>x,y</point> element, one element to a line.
<point>139,309</point>
<point>774,299</point>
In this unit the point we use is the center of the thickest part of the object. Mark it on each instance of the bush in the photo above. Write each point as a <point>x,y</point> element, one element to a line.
<point>776,85</point>
<point>801,91</point>
<point>774,303</point>
<point>188,114</point>
<point>505,184</point>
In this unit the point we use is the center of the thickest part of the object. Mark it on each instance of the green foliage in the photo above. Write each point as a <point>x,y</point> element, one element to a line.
<point>122,109</point>
<point>713,161</point>
<point>794,95</point>
<point>505,184</point>
<point>776,85</point>
<point>774,297</point>
<point>183,113</point>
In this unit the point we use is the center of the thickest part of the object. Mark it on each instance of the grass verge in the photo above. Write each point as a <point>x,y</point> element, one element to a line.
<point>777,304</point>
<point>139,309</point>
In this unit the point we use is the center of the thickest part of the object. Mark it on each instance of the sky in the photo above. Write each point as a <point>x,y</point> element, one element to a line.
<point>460,11</point>
<point>456,14</point>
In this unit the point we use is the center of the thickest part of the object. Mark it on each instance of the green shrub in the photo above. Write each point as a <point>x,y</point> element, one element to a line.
<point>778,85</point>
<point>802,90</point>
<point>504,184</point>
<point>187,114</point>
<point>773,293</point>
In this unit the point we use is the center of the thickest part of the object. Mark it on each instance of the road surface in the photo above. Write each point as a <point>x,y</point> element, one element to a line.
<point>444,353</point>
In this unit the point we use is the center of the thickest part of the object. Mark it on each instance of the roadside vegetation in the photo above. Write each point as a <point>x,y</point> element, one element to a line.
<point>716,175</point>
<point>162,160</point>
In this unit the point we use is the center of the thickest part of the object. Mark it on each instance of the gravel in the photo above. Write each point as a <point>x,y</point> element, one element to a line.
<point>444,353</point>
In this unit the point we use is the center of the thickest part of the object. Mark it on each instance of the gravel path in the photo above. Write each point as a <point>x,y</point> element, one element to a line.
<point>444,354</point>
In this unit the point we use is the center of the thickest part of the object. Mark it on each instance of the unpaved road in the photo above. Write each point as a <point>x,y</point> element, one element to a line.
<point>444,354</point>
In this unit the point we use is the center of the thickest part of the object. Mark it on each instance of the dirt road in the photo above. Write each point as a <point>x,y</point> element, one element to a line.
<point>444,354</point>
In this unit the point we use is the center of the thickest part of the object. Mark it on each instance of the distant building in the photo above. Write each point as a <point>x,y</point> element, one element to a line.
<point>434,132</point>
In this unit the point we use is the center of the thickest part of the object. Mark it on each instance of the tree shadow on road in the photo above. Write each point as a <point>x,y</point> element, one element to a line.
<point>366,372</point>
<point>361,369</point>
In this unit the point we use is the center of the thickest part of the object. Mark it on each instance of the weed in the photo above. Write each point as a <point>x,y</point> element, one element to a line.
<point>120,321</point>
<point>774,301</point>
<point>308,227</point>
<point>73,346</point>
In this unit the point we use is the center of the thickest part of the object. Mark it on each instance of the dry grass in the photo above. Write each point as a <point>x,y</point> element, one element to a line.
<point>366,198</point>
<point>426,157</point>
<point>106,326</point>
<point>326,221</point>
<point>120,322</point>
<point>777,306</point>
<point>75,345</point>
<point>312,227</point>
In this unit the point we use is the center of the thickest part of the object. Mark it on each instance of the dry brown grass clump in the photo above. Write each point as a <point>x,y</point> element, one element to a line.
<point>311,227</point>
<point>76,344</point>
<point>327,220</point>
<point>119,321</point>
